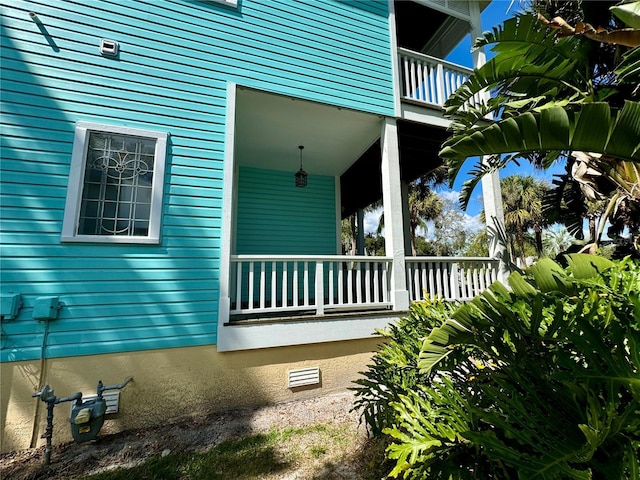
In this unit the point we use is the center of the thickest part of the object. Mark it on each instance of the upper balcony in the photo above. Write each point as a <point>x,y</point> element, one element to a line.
<point>426,32</point>
<point>428,81</point>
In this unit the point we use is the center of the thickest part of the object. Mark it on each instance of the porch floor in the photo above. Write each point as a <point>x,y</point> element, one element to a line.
<point>310,315</point>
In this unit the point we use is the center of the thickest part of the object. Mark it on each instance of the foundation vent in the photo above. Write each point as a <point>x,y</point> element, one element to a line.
<point>302,377</point>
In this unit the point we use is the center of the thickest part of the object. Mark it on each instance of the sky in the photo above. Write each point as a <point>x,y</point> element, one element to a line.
<point>495,13</point>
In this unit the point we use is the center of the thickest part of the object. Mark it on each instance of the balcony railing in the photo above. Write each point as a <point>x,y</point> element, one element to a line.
<point>429,80</point>
<point>450,278</point>
<point>268,285</point>
<point>276,283</point>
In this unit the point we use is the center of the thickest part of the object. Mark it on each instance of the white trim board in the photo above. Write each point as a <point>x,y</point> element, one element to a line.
<point>239,336</point>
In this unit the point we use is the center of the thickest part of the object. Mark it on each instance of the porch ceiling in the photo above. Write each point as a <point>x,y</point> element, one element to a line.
<point>419,146</point>
<point>270,127</point>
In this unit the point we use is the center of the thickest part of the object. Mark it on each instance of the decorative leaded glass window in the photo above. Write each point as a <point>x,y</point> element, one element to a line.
<point>115,193</point>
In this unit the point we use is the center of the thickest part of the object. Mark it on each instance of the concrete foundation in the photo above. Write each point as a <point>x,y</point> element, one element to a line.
<point>170,385</point>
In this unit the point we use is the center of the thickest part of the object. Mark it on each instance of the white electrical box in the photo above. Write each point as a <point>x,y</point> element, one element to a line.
<point>109,47</point>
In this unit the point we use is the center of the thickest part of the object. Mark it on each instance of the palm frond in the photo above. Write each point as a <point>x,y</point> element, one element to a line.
<point>628,70</point>
<point>530,61</point>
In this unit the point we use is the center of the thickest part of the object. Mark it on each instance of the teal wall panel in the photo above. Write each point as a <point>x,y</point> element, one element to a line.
<point>176,59</point>
<point>276,217</point>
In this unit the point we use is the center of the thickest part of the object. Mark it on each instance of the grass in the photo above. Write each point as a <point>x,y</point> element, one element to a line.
<point>321,451</point>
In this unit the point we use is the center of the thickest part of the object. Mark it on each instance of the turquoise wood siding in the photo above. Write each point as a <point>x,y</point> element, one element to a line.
<point>275,217</point>
<point>176,58</point>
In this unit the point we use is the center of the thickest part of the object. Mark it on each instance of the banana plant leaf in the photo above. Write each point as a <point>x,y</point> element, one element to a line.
<point>592,127</point>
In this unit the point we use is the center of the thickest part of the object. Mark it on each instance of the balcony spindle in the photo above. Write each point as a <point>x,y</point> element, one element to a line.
<point>294,286</point>
<point>376,279</point>
<point>445,280</point>
<point>341,284</point>
<point>462,277</point>
<point>319,288</point>
<point>481,277</point>
<point>455,285</point>
<point>331,289</point>
<point>285,284</point>
<point>274,285</point>
<point>414,85</point>
<point>385,286</point>
<point>262,291</point>
<point>407,77</point>
<point>440,84</point>
<point>305,283</point>
<point>476,281</point>
<point>239,285</point>
<point>251,286</point>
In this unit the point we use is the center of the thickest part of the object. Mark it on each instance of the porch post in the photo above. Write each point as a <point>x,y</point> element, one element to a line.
<point>491,194</point>
<point>227,241</point>
<point>393,223</point>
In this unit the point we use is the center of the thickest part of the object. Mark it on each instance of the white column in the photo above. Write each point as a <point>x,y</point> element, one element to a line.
<point>393,213</point>
<point>227,241</point>
<point>491,194</point>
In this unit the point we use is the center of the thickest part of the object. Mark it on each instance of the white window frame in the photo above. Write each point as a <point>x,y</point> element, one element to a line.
<point>76,184</point>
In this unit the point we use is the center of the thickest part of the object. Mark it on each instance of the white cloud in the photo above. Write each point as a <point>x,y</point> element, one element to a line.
<point>371,221</point>
<point>473,223</point>
<point>451,196</point>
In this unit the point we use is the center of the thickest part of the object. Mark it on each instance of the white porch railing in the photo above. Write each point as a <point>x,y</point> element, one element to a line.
<point>282,283</point>
<point>450,278</point>
<point>273,284</point>
<point>429,80</point>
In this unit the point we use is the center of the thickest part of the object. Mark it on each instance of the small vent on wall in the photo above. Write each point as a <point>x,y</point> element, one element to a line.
<point>304,376</point>
<point>111,398</point>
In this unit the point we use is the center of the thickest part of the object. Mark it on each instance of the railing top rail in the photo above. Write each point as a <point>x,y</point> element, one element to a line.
<point>450,259</point>
<point>422,56</point>
<point>357,258</point>
<point>310,258</point>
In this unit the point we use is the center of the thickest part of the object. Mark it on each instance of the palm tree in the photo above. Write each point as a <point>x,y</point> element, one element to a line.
<point>551,99</point>
<point>424,203</point>
<point>556,241</point>
<point>522,202</point>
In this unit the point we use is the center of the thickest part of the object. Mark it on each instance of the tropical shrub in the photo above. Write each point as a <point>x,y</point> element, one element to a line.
<point>395,366</point>
<point>537,380</point>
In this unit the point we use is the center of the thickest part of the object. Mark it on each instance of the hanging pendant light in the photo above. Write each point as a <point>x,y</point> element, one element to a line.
<point>301,175</point>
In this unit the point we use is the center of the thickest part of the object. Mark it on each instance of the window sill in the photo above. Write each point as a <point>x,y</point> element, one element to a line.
<point>109,239</point>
